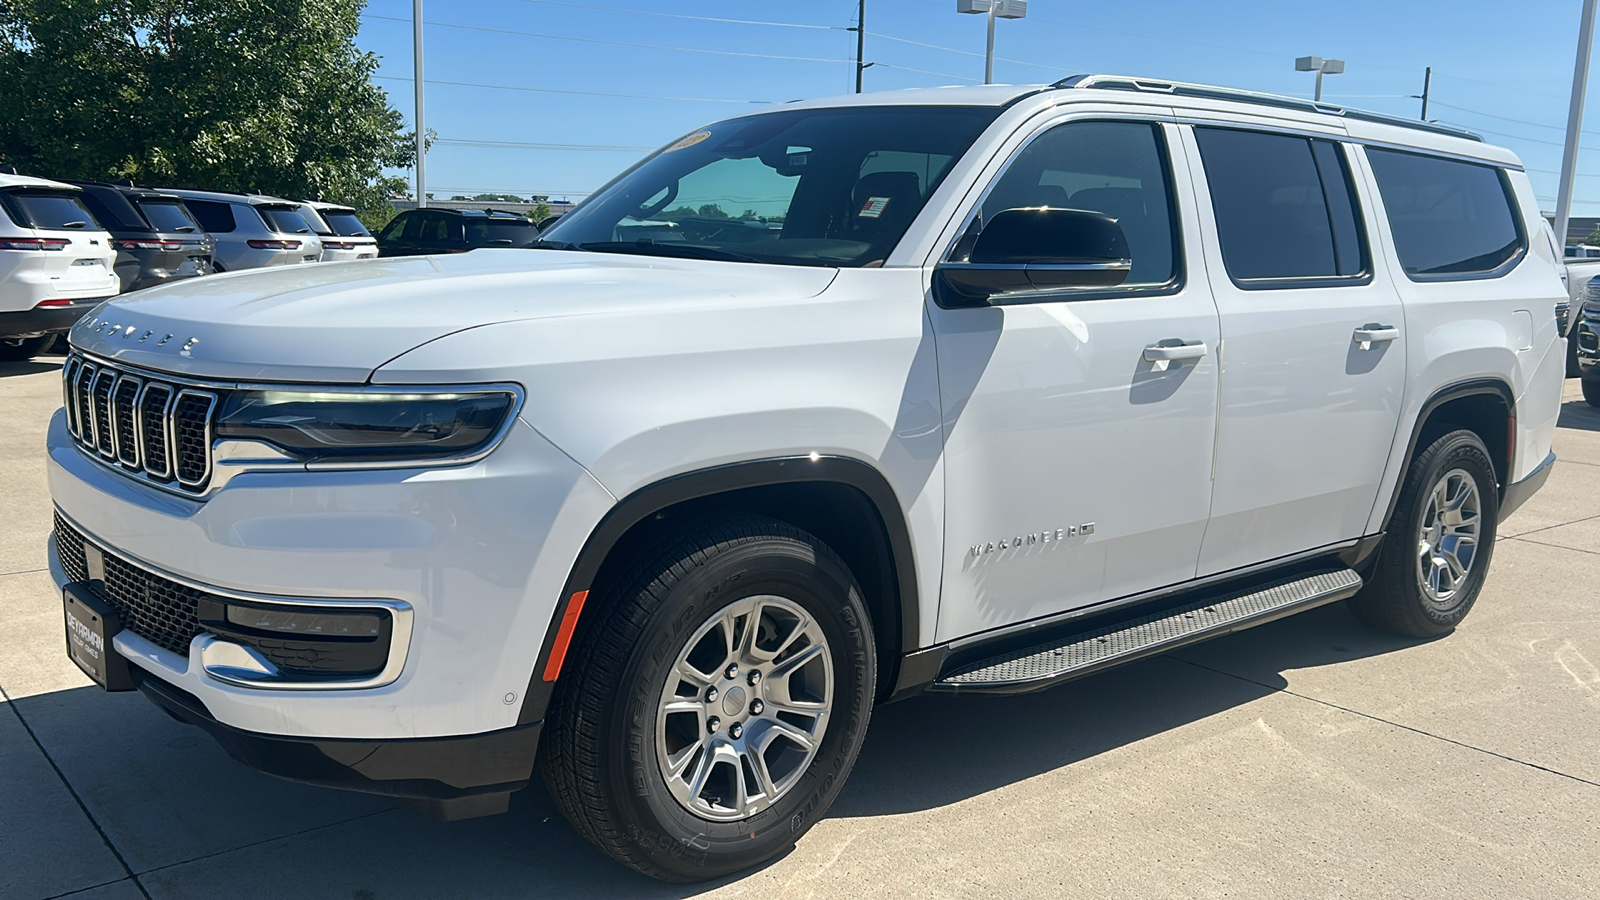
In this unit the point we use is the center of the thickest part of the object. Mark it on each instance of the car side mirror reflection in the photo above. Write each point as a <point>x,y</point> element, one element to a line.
<point>1021,252</point>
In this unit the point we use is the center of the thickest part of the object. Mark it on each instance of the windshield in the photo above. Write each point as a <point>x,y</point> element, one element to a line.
<point>344,222</point>
<point>49,210</point>
<point>501,232</point>
<point>284,221</point>
<point>823,187</point>
<point>168,216</point>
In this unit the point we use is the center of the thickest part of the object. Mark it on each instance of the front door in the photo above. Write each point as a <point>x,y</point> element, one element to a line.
<point>1076,469</point>
<point>1313,368</point>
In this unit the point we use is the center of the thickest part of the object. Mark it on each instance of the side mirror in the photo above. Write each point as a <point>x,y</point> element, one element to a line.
<point>1021,252</point>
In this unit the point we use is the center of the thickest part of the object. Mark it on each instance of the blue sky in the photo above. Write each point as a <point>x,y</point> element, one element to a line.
<point>1505,74</point>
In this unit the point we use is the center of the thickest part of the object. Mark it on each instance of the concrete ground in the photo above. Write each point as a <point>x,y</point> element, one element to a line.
<point>1310,757</point>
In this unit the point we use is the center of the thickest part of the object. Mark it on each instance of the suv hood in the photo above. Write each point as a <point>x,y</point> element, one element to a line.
<point>337,322</point>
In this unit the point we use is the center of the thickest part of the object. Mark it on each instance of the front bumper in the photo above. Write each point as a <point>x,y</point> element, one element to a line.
<point>478,552</point>
<point>431,769</point>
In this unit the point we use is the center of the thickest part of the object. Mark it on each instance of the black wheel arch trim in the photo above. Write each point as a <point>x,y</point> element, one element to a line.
<point>671,491</point>
<point>1474,387</point>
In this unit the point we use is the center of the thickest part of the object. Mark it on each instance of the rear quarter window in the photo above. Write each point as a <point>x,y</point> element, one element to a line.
<point>1450,219</point>
<point>214,217</point>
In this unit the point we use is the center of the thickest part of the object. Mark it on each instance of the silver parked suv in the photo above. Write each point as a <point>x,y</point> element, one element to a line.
<point>341,230</point>
<point>253,231</point>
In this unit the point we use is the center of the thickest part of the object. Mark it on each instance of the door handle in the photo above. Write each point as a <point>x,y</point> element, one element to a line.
<point>1372,333</point>
<point>1160,355</point>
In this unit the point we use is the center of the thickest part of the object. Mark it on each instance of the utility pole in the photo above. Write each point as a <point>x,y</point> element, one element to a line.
<point>416,64</point>
<point>1569,154</point>
<point>861,41</point>
<point>1427,82</point>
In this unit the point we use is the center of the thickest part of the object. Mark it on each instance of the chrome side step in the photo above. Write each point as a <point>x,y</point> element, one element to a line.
<point>1047,665</point>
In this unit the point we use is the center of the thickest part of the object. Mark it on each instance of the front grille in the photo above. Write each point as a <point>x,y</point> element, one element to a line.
<point>156,428</point>
<point>162,612</point>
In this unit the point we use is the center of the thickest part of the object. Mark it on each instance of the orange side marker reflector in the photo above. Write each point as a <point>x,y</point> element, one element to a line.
<point>569,622</point>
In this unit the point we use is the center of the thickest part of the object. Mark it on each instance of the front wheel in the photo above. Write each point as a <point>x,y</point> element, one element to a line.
<point>1440,539</point>
<point>715,702</point>
<point>1591,391</point>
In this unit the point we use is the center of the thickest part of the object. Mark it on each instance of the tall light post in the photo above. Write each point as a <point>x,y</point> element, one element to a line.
<point>1569,153</point>
<point>416,63</point>
<point>994,9</point>
<point>1320,66</point>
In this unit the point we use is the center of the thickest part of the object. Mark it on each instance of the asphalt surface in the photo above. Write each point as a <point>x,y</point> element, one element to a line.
<point>1306,758</point>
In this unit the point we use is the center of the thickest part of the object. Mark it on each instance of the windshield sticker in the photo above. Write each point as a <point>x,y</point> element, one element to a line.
<point>689,141</point>
<point>873,208</point>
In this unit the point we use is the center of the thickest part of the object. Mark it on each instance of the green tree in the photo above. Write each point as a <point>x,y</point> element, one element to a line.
<point>1593,239</point>
<point>218,94</point>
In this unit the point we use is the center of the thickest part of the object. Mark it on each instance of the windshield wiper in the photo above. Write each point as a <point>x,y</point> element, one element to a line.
<point>542,244</point>
<point>681,251</point>
<point>184,229</point>
<point>74,224</point>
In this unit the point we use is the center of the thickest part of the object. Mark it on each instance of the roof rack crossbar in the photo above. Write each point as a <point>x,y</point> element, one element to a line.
<point>1238,95</point>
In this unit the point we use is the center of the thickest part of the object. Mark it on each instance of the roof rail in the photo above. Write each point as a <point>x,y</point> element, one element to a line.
<point>1237,95</point>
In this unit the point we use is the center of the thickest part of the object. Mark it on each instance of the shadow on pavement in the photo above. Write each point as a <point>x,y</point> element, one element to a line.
<point>31,367</point>
<point>166,795</point>
<point>1580,415</point>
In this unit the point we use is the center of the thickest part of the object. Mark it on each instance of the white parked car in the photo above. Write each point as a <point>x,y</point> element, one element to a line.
<point>341,230</point>
<point>252,231</point>
<point>962,390</point>
<point>56,263</point>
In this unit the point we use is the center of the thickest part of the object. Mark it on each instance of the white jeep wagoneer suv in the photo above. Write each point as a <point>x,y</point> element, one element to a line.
<point>957,390</point>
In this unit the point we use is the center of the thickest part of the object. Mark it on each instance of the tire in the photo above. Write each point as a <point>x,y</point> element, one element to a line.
<point>1572,356</point>
<point>1427,594</point>
<point>1591,391</point>
<point>611,740</point>
<point>25,349</point>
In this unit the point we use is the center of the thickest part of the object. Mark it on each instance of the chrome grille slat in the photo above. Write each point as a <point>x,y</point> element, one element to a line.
<point>157,429</point>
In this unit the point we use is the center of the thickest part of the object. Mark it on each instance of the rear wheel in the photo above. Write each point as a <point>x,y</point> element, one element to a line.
<point>712,708</point>
<point>1440,539</point>
<point>20,349</point>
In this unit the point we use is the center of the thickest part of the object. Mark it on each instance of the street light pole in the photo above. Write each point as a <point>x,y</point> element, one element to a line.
<point>994,9</point>
<point>1569,153</point>
<point>1319,65</point>
<point>416,64</point>
<point>988,53</point>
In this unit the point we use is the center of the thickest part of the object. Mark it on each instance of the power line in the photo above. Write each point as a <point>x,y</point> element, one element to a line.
<point>883,65</point>
<point>534,90</point>
<point>664,15</point>
<point>1020,62</point>
<point>1520,137</point>
<point>1506,118</point>
<point>518,145</point>
<point>558,37</point>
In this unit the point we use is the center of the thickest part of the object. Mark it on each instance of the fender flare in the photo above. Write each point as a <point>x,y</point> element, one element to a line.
<point>651,499</point>
<point>1474,387</point>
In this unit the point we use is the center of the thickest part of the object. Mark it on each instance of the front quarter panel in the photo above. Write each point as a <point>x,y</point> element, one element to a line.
<point>659,393</point>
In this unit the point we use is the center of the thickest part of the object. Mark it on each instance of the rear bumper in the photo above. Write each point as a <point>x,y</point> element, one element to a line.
<point>445,768</point>
<point>1518,493</point>
<point>51,320</point>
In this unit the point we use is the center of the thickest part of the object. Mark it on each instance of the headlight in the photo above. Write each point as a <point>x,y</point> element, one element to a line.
<point>360,426</point>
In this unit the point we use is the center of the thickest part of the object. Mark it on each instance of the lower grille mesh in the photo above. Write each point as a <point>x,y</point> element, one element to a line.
<point>162,612</point>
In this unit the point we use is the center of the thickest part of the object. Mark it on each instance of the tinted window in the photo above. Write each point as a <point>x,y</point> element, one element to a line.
<point>823,187</point>
<point>1118,169</point>
<point>168,216</point>
<point>1283,205</point>
<point>344,222</point>
<point>1448,217</point>
<point>500,233</point>
<point>109,209</point>
<point>314,219</point>
<point>391,231</point>
<point>51,210</point>
<point>284,221</point>
<point>214,217</point>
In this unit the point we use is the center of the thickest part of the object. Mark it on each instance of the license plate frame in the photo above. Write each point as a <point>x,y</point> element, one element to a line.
<point>91,625</point>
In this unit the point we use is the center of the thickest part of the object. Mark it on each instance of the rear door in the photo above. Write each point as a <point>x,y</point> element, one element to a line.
<point>1313,364</point>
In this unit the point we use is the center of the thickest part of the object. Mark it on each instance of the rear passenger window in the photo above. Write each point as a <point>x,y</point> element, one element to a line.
<point>1117,169</point>
<point>216,218</point>
<point>1285,208</point>
<point>1449,219</point>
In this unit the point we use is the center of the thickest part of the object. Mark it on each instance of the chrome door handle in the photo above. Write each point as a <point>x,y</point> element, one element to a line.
<point>1370,334</point>
<point>1164,353</point>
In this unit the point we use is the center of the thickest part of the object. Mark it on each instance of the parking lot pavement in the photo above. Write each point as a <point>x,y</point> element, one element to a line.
<point>1306,757</point>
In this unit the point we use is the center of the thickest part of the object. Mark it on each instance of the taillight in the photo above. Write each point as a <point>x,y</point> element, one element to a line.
<point>53,304</point>
<point>337,245</point>
<point>149,245</point>
<point>34,243</point>
<point>275,245</point>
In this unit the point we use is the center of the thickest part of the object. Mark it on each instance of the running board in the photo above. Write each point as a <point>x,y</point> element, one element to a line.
<point>1047,665</point>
